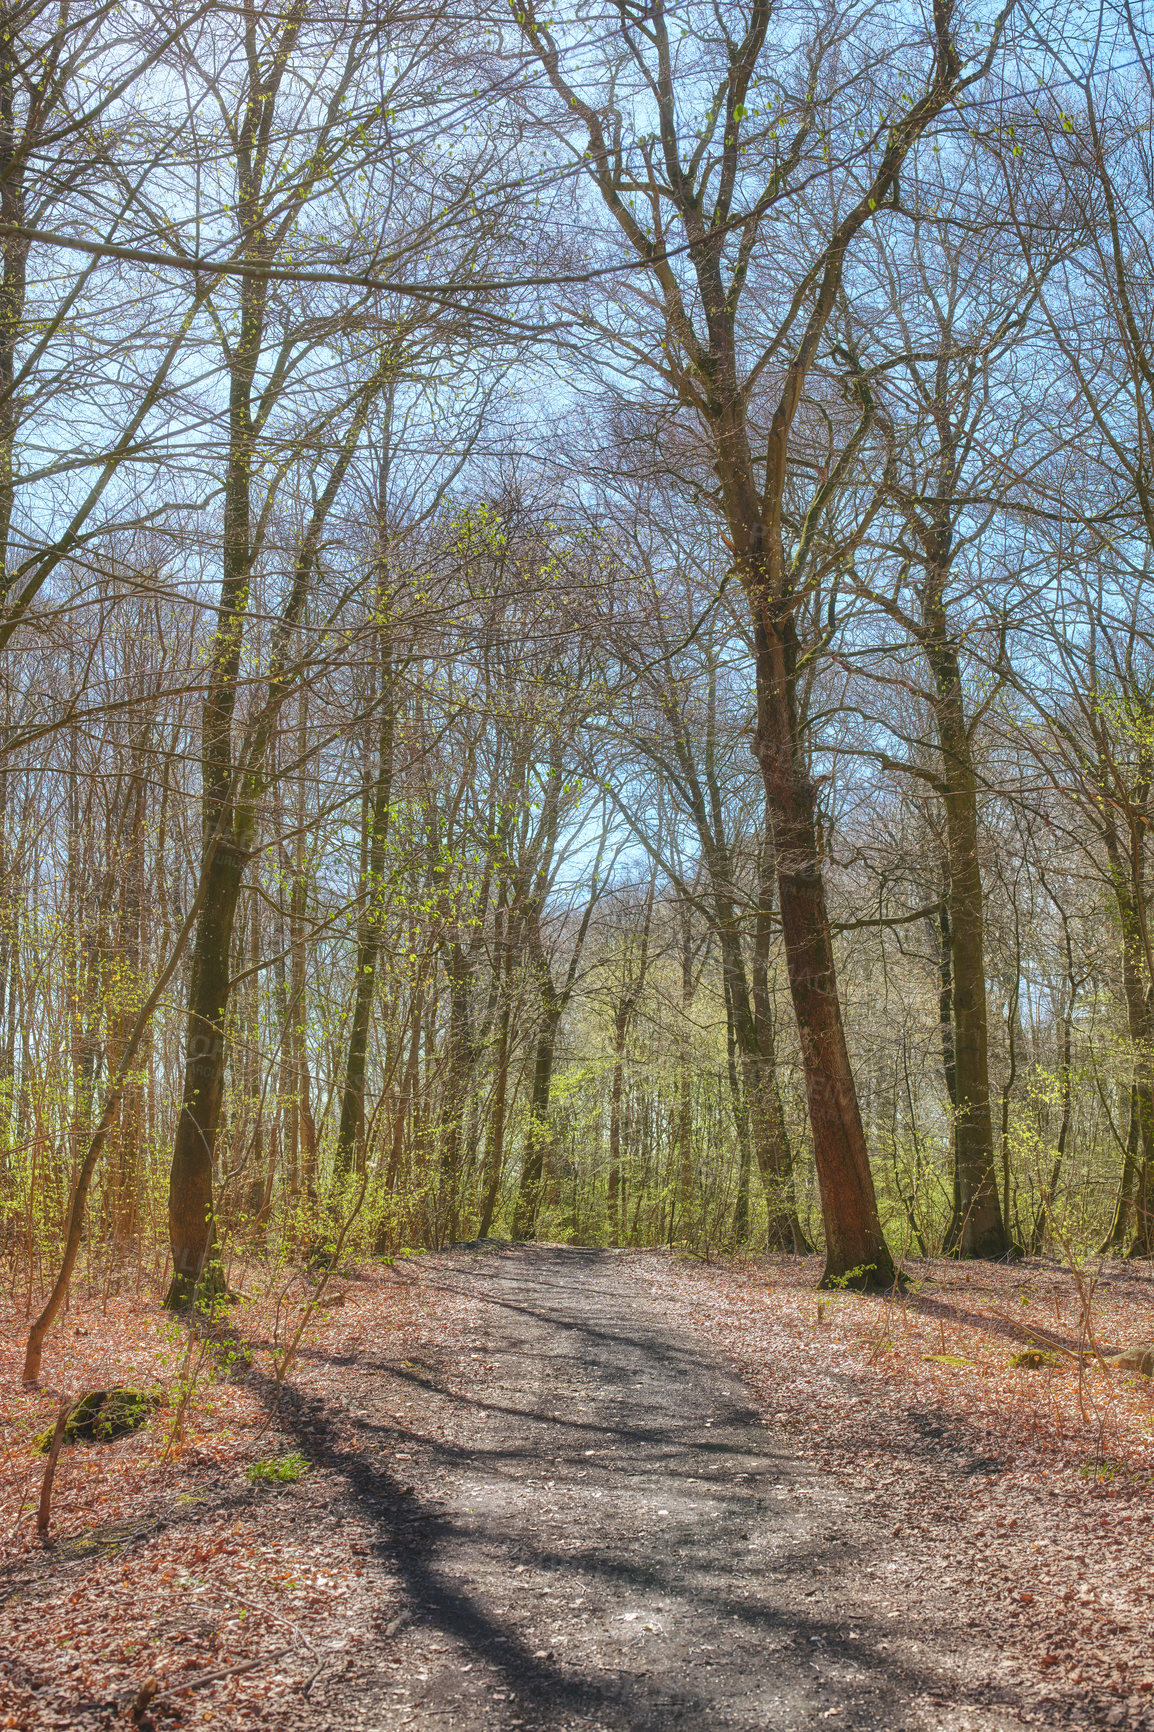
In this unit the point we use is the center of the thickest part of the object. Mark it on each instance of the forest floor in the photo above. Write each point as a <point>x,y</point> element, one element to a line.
<point>549,1487</point>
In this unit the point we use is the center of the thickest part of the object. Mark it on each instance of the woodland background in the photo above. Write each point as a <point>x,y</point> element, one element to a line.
<point>576,636</point>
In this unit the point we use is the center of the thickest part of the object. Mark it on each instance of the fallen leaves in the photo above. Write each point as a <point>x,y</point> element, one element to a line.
<point>223,1594</point>
<point>1020,1518</point>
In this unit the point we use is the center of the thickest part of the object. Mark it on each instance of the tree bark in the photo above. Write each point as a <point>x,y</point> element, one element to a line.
<point>350,1136</point>
<point>855,1246</point>
<point>190,1196</point>
<point>538,1137</point>
<point>613,1185</point>
<point>495,1142</point>
<point>1128,879</point>
<point>1116,1238</point>
<point>457,1077</point>
<point>982,1231</point>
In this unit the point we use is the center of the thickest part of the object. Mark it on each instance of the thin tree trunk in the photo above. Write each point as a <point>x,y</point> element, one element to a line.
<point>741,1123</point>
<point>350,1136</point>
<point>982,1229</point>
<point>1128,880</point>
<point>1045,1212</point>
<point>408,1087</point>
<point>613,1187</point>
<point>458,1074</point>
<point>1115,1240</point>
<point>538,1137</point>
<point>1011,1069</point>
<point>495,1145</point>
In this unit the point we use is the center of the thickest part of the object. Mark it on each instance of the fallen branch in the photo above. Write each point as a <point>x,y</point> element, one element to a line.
<point>1034,1333</point>
<point>204,1678</point>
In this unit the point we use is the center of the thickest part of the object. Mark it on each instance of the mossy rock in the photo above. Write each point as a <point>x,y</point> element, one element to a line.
<point>1139,1359</point>
<point>102,1415</point>
<point>1033,1359</point>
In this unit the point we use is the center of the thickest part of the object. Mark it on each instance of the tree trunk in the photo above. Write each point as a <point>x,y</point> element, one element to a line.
<point>408,1088</point>
<point>741,1123</point>
<point>855,1246</point>
<point>1142,1034</point>
<point>495,1146</point>
<point>190,1205</point>
<point>1128,880</point>
<point>1044,1216</point>
<point>495,1143</point>
<point>767,1118</point>
<point>1120,1225</point>
<point>458,1074</point>
<point>685,1081</point>
<point>302,1133</point>
<point>125,1133</point>
<point>613,1188</point>
<point>982,1231</point>
<point>538,1137</point>
<point>1141,1026</point>
<point>350,1136</point>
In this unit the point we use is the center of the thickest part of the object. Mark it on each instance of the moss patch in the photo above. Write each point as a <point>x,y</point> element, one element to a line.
<point>278,1470</point>
<point>1034,1359</point>
<point>102,1415</point>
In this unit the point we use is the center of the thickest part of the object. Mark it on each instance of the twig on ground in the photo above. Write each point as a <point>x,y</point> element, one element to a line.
<point>204,1678</point>
<point>343,1666</point>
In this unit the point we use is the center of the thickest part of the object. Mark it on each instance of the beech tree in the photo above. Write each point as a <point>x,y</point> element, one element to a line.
<point>742,118</point>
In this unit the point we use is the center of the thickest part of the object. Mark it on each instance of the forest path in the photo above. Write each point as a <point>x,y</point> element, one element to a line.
<point>590,1526</point>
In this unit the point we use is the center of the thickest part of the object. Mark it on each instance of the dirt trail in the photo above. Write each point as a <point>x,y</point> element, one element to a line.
<point>590,1526</point>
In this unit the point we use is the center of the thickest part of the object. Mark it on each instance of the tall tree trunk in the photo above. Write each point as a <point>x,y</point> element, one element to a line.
<point>495,1142</point>
<point>1140,1009</point>
<point>126,1126</point>
<point>740,1120</point>
<point>302,1133</point>
<point>685,1078</point>
<point>982,1231</point>
<point>762,1116</point>
<point>855,1246</point>
<point>613,1186</point>
<point>1128,881</point>
<point>458,1073</point>
<point>767,1117</point>
<point>8,931</point>
<point>233,783</point>
<point>495,1145</point>
<point>940,929</point>
<point>190,1194</point>
<point>1116,1238</point>
<point>13,291</point>
<point>408,1088</point>
<point>225,839</point>
<point>350,1136</point>
<point>1044,1217</point>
